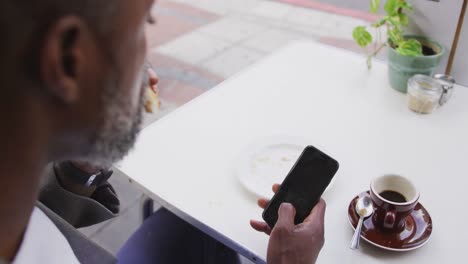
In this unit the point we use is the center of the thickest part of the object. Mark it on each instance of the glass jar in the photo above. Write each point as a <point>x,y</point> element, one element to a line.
<point>427,93</point>
<point>424,94</point>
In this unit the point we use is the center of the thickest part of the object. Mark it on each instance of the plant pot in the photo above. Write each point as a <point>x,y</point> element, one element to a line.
<point>401,68</point>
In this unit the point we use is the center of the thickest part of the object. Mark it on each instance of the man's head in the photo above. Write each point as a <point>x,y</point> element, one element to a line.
<point>74,67</point>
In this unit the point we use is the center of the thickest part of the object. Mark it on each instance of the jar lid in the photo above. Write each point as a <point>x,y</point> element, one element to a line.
<point>425,85</point>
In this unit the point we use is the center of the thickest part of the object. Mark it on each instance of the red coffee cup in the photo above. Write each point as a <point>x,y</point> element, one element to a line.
<point>394,198</point>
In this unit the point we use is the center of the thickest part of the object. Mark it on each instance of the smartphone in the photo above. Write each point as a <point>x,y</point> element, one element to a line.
<point>303,186</point>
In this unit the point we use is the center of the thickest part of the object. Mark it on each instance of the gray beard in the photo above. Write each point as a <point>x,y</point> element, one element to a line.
<point>119,130</point>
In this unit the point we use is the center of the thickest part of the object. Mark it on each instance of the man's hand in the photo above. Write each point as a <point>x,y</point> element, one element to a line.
<point>290,243</point>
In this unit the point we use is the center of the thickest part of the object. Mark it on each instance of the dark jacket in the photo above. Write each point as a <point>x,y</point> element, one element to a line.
<point>70,211</point>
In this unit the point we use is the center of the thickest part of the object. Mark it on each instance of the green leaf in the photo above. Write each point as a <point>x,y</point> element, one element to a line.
<point>406,5</point>
<point>410,47</point>
<point>391,7</point>
<point>379,23</point>
<point>374,6</point>
<point>394,20</point>
<point>404,20</point>
<point>362,37</point>
<point>395,35</point>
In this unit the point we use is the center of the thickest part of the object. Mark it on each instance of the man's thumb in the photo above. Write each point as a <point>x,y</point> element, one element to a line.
<point>286,214</point>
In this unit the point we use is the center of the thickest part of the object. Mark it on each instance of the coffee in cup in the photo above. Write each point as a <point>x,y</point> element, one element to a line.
<point>394,198</point>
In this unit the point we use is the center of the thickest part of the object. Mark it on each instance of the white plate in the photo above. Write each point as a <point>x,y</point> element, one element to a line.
<point>268,162</point>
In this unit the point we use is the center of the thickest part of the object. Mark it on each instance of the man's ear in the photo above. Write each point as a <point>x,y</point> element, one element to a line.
<point>62,58</point>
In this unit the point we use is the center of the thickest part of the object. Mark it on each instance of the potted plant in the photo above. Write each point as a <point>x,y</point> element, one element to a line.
<point>407,55</point>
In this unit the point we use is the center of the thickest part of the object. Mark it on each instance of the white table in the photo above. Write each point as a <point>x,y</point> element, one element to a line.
<point>186,160</point>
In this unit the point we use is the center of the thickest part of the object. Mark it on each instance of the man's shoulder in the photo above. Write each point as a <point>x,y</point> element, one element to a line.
<point>43,242</point>
<point>84,249</point>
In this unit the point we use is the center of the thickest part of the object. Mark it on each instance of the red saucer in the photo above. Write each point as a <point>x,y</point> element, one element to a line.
<point>416,234</point>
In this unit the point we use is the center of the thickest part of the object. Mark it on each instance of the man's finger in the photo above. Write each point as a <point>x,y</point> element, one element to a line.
<point>286,214</point>
<point>276,187</point>
<point>318,213</point>
<point>263,203</point>
<point>260,226</point>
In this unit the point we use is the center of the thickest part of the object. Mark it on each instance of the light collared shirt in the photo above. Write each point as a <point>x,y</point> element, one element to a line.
<point>44,243</point>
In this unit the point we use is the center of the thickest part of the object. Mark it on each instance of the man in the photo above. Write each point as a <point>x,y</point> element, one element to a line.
<point>70,75</point>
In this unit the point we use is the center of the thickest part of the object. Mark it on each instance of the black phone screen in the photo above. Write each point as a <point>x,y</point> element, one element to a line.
<point>303,186</point>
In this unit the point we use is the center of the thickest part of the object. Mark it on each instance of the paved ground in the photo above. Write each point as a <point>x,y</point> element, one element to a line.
<point>359,5</point>
<point>199,43</point>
